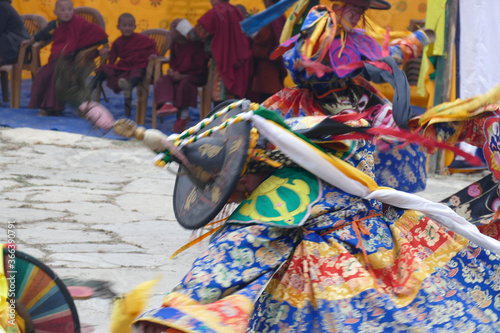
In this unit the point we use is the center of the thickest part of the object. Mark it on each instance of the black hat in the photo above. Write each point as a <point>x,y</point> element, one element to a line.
<point>216,164</point>
<point>379,4</point>
<point>373,4</point>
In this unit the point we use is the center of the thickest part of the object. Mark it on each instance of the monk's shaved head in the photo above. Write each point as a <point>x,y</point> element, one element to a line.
<point>126,16</point>
<point>59,2</point>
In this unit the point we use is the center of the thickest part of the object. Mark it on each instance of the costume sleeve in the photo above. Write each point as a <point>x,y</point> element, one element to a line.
<point>47,33</point>
<point>408,48</point>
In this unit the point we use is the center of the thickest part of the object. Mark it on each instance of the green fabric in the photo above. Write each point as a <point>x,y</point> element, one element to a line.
<point>285,199</point>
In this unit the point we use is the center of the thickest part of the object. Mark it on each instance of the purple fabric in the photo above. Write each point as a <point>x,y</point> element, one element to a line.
<point>358,47</point>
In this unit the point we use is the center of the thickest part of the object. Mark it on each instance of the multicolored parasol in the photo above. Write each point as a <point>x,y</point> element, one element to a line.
<point>42,299</point>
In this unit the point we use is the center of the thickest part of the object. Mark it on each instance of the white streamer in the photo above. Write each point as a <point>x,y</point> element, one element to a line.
<point>299,151</point>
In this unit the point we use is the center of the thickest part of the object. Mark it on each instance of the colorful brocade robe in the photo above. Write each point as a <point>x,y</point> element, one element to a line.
<point>302,256</point>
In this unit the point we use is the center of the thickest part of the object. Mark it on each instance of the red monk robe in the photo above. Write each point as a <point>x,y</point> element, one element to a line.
<point>132,53</point>
<point>230,49</point>
<point>188,59</point>
<point>268,75</point>
<point>68,38</point>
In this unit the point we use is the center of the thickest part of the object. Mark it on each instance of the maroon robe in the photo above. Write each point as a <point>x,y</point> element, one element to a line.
<point>68,38</point>
<point>268,75</point>
<point>128,58</point>
<point>230,47</point>
<point>186,58</point>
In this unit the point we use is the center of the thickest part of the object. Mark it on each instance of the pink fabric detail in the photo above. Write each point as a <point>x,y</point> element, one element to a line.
<point>98,115</point>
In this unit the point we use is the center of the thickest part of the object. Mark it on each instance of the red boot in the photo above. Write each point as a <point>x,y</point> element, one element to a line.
<point>180,124</point>
<point>166,110</point>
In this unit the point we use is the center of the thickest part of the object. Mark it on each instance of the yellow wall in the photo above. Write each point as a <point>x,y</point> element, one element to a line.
<point>159,13</point>
<point>399,16</point>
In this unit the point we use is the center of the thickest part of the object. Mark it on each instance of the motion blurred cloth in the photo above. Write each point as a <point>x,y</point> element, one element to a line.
<point>479,203</point>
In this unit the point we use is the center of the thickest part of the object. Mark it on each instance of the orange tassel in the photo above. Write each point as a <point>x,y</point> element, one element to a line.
<point>194,241</point>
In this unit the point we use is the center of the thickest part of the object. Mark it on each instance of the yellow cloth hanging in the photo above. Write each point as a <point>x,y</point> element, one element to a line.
<point>435,20</point>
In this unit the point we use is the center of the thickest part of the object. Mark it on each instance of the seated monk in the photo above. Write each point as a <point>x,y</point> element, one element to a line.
<point>127,60</point>
<point>178,90</point>
<point>70,34</point>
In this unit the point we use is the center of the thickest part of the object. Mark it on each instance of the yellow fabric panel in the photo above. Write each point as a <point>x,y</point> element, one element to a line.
<point>435,19</point>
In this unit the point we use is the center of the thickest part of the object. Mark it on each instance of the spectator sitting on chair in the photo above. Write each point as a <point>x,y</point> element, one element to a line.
<point>178,90</point>
<point>12,33</point>
<point>70,34</point>
<point>128,59</point>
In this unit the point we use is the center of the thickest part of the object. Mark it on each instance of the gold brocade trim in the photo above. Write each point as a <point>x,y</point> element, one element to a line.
<point>402,296</point>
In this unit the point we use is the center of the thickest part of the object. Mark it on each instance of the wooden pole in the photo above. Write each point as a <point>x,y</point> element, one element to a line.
<point>444,76</point>
<point>450,49</point>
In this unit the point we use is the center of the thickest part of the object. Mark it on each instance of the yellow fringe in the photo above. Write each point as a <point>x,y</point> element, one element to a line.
<point>194,241</point>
